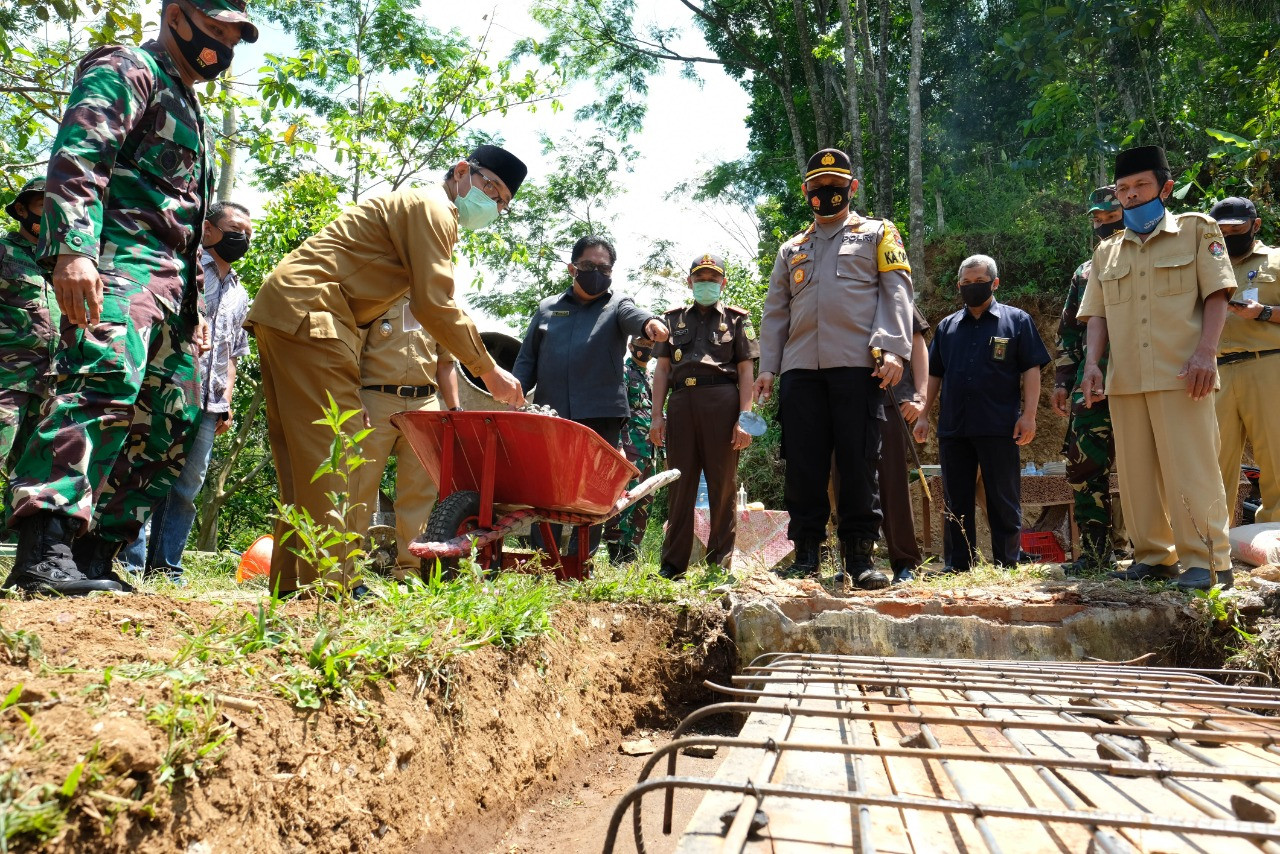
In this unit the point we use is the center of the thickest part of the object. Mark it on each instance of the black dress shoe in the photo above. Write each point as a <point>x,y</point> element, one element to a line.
<point>1146,572</point>
<point>1198,578</point>
<point>903,574</point>
<point>669,572</point>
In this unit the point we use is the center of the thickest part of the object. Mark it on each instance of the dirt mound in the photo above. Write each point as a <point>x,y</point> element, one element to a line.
<point>100,722</point>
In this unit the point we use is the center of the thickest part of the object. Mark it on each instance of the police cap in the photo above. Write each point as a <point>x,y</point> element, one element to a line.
<point>34,187</point>
<point>1131,161</point>
<point>230,11</point>
<point>707,262</point>
<point>503,163</point>
<point>1103,199</point>
<point>1234,211</point>
<point>829,161</point>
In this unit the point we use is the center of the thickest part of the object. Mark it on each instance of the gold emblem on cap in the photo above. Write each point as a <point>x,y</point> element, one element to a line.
<point>828,159</point>
<point>677,354</point>
<point>707,259</point>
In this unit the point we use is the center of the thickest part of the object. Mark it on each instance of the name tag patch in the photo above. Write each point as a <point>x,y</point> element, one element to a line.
<point>999,349</point>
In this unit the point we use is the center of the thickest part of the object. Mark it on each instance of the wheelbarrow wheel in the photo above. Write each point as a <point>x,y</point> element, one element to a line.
<point>458,513</point>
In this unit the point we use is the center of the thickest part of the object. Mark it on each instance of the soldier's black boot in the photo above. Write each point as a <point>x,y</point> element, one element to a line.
<point>1095,554</point>
<point>806,562</point>
<point>96,558</point>
<point>43,563</point>
<point>857,566</point>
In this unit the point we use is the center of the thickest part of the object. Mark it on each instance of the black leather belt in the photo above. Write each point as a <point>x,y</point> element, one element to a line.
<point>1231,358</point>
<point>404,390</point>
<point>697,382</point>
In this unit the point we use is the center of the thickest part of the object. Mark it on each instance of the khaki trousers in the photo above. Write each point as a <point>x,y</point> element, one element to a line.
<point>416,492</point>
<point>1248,405</point>
<point>298,372</point>
<point>1170,486</point>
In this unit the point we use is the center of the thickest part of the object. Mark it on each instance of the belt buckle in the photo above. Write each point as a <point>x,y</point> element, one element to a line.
<point>412,391</point>
<point>690,381</point>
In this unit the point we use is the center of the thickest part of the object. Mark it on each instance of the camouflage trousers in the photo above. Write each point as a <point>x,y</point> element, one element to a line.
<point>629,525</point>
<point>113,437</point>
<point>1090,450</point>
<point>19,412</point>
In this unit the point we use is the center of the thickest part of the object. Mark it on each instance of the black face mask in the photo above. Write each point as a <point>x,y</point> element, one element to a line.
<point>207,56</point>
<point>231,247</point>
<point>31,222</point>
<point>1106,229</point>
<point>641,356</point>
<point>975,294</point>
<point>828,201</point>
<point>1238,245</point>
<point>593,282</point>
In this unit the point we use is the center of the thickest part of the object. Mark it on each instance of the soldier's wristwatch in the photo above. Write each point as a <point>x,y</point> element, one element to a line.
<point>1265,314</point>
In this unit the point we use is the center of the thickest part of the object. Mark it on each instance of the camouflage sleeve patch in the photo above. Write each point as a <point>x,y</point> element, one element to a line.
<point>891,254</point>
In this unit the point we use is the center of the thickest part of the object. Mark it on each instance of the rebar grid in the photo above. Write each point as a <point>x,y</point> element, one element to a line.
<point>1144,728</point>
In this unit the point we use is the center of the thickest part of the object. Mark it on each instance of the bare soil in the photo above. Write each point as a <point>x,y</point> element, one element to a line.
<point>425,771</point>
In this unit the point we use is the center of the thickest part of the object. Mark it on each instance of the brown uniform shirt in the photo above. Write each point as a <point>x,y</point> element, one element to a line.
<point>1240,334</point>
<point>707,342</point>
<point>1152,295</point>
<point>398,351</point>
<point>836,291</point>
<point>363,263</point>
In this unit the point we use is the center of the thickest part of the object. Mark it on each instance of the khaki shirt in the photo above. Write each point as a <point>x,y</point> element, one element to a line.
<point>836,291</point>
<point>358,266</point>
<point>1242,335</point>
<point>1152,295</point>
<point>707,343</point>
<point>398,351</point>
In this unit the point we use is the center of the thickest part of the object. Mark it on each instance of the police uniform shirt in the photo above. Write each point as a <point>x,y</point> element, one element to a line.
<point>1257,278</point>
<point>398,351</point>
<point>707,342</point>
<point>836,291</point>
<point>981,361</point>
<point>572,354</point>
<point>1152,295</point>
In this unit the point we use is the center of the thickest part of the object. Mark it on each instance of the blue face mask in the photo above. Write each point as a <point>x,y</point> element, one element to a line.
<point>476,210</point>
<point>1145,217</point>
<point>706,293</point>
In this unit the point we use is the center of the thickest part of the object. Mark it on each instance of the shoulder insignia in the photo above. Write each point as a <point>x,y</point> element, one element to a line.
<point>1216,249</point>
<point>735,310</point>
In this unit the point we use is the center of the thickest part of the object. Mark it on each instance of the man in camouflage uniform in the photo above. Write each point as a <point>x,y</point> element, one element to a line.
<point>1089,446</point>
<point>625,532</point>
<point>129,180</point>
<point>28,324</point>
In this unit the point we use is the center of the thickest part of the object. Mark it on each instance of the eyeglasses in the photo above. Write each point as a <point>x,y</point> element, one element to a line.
<point>491,189</point>
<point>588,267</point>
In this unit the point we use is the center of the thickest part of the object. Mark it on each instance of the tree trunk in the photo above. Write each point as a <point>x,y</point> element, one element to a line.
<point>851,103</point>
<point>884,153</point>
<point>869,83</point>
<point>793,117</point>
<point>227,175</point>
<point>915,150</point>
<point>937,203</point>
<point>221,488</point>
<point>821,128</point>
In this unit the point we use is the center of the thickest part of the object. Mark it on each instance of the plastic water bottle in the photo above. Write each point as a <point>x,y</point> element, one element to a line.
<point>704,500</point>
<point>742,498</point>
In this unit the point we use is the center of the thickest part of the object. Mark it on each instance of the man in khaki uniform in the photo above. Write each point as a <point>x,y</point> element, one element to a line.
<point>1157,294</point>
<point>839,290</point>
<point>310,310</point>
<point>1249,356</point>
<point>401,368</point>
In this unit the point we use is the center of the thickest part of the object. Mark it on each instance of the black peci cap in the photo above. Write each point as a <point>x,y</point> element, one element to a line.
<point>503,163</point>
<point>1131,161</point>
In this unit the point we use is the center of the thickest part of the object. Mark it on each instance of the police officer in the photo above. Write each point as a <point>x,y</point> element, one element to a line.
<point>624,533</point>
<point>709,366</point>
<point>401,369</point>
<point>29,318</point>
<point>1089,446</point>
<point>129,179</point>
<point>1248,355</point>
<point>309,312</point>
<point>984,364</point>
<point>838,289</point>
<point>1157,294</point>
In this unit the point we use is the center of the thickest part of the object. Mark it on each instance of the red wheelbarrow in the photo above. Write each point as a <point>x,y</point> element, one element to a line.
<point>495,470</point>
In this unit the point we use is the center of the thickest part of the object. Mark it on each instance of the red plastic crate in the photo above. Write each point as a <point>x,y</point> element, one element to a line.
<point>1043,546</point>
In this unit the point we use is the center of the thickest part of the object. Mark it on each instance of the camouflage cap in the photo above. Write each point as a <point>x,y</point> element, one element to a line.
<point>707,262</point>
<point>33,187</point>
<point>231,11</point>
<point>1103,199</point>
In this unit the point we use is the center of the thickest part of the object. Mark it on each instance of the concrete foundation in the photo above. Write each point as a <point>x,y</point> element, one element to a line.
<point>1025,627</point>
